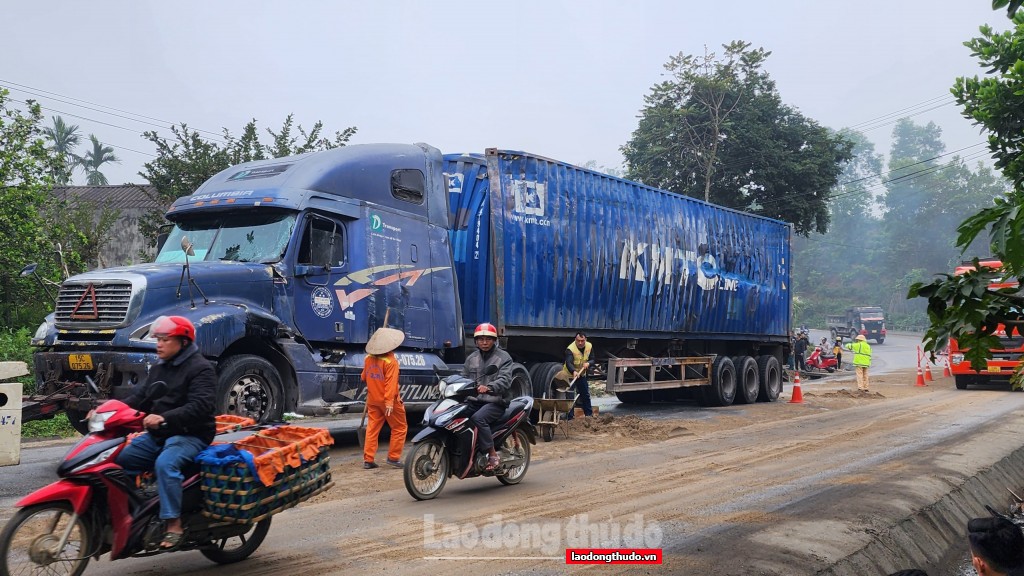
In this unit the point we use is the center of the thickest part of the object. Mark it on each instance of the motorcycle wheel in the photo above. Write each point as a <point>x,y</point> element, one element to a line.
<point>520,448</point>
<point>27,541</point>
<point>426,469</point>
<point>237,548</point>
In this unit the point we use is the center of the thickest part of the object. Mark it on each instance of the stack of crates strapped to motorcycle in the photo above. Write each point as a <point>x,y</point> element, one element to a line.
<point>264,473</point>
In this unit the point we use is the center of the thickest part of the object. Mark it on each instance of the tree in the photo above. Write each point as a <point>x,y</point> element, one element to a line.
<point>27,167</point>
<point>718,130</point>
<point>93,159</point>
<point>963,307</point>
<point>188,159</point>
<point>65,140</point>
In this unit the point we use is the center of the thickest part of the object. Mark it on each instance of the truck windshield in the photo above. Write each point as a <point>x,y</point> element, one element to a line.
<point>240,237</point>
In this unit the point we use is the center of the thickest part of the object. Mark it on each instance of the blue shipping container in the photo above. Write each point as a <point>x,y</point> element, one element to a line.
<point>544,246</point>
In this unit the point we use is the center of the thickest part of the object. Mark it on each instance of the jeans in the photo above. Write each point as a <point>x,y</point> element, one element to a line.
<point>144,454</point>
<point>483,418</point>
<point>583,389</point>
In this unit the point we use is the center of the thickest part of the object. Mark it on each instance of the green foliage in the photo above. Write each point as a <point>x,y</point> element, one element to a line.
<point>65,139</point>
<point>187,160</point>
<point>966,307</point>
<point>56,426</point>
<point>94,159</point>
<point>14,346</point>
<point>718,130</point>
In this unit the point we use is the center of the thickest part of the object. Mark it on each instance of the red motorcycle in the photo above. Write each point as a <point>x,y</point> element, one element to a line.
<point>823,362</point>
<point>97,508</point>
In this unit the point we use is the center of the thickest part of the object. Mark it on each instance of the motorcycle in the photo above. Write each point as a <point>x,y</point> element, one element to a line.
<point>96,507</point>
<point>447,445</point>
<point>819,361</point>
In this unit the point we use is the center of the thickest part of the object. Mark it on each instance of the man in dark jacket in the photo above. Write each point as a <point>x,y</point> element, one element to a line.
<point>800,351</point>
<point>180,422</point>
<point>494,393</point>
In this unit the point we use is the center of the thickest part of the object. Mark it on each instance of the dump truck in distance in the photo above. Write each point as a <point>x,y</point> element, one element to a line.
<point>867,321</point>
<point>287,266</point>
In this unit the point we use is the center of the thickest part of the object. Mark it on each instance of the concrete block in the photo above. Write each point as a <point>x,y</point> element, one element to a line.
<point>10,423</point>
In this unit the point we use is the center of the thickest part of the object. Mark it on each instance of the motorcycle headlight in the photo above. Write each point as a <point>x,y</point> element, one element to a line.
<point>95,459</point>
<point>98,421</point>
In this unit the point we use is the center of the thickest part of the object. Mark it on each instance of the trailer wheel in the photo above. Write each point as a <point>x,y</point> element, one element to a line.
<point>748,386</point>
<point>77,420</point>
<point>250,386</point>
<point>771,378</point>
<point>722,390</point>
<point>543,374</point>
<point>636,397</point>
<point>521,385</point>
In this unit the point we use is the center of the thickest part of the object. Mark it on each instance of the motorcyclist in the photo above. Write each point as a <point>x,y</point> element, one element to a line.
<point>180,422</point>
<point>493,392</point>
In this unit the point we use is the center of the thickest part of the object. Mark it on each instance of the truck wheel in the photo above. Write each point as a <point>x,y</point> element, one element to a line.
<point>543,374</point>
<point>638,397</point>
<point>521,385</point>
<point>962,382</point>
<point>770,374</point>
<point>722,390</point>
<point>880,340</point>
<point>76,418</point>
<point>747,384</point>
<point>833,332</point>
<point>250,386</point>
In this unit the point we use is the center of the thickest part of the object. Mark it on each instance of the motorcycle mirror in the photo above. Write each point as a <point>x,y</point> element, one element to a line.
<point>28,270</point>
<point>186,246</point>
<point>491,370</point>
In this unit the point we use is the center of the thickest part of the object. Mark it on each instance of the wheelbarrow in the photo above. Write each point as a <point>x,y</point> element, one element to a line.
<point>551,412</point>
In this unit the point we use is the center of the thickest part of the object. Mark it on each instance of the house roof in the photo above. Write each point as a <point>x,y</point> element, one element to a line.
<point>121,196</point>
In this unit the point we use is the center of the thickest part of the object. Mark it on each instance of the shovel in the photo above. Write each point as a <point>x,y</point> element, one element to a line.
<point>361,431</point>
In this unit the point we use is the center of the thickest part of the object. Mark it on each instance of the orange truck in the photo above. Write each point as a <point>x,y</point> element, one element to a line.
<point>1003,362</point>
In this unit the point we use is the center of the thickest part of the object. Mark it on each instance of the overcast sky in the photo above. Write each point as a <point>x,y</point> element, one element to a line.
<point>564,79</point>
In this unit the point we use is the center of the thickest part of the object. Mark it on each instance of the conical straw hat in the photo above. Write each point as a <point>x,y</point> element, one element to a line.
<point>385,340</point>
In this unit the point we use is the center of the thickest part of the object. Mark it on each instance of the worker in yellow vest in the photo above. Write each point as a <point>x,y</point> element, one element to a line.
<point>861,360</point>
<point>578,356</point>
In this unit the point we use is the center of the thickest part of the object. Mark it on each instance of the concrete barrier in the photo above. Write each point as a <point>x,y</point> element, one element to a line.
<point>10,413</point>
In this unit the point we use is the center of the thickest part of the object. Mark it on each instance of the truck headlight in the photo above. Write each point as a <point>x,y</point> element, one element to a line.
<point>41,332</point>
<point>956,358</point>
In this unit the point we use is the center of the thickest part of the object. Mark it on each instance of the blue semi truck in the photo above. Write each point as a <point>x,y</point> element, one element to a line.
<point>287,266</point>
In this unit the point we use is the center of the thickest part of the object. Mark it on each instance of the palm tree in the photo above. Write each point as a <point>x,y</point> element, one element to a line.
<point>65,139</point>
<point>93,159</point>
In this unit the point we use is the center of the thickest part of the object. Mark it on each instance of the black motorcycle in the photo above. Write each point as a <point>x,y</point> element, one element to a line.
<point>447,445</point>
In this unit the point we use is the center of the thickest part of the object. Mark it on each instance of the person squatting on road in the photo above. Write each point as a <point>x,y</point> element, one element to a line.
<point>578,355</point>
<point>997,546</point>
<point>494,393</point>
<point>180,423</point>
<point>861,360</point>
<point>383,402</point>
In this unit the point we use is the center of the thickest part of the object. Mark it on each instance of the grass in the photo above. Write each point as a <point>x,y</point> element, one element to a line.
<point>57,426</point>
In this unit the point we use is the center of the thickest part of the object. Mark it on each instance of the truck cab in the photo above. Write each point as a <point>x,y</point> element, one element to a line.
<point>867,321</point>
<point>286,267</point>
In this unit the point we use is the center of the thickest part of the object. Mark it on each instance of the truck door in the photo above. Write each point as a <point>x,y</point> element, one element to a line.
<point>321,259</point>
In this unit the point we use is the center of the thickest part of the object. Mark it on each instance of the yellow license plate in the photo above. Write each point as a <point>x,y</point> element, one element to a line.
<point>993,369</point>
<point>80,361</point>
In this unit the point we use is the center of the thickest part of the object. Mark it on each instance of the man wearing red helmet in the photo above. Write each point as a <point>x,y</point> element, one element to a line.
<point>180,422</point>
<point>493,392</point>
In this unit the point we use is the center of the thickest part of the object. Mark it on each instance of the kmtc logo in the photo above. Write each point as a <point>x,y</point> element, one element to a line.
<point>375,222</point>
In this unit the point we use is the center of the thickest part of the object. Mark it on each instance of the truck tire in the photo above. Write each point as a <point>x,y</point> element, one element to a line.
<point>76,419</point>
<point>770,374</point>
<point>722,390</point>
<point>748,385</point>
<point>249,386</point>
<point>542,375</point>
<point>637,397</point>
<point>962,382</point>
<point>880,340</point>
<point>521,384</point>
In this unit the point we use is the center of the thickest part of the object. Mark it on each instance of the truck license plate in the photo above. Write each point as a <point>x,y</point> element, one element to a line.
<point>80,361</point>
<point>993,369</point>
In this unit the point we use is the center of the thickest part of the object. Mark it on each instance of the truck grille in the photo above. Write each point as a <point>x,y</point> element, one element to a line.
<point>75,304</point>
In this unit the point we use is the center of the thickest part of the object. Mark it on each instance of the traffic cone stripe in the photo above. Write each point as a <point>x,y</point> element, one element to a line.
<point>920,377</point>
<point>928,371</point>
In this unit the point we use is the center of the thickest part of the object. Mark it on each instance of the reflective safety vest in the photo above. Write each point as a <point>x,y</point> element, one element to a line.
<point>861,353</point>
<point>578,357</point>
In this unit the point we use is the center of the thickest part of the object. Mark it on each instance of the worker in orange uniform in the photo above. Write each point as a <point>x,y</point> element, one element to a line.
<point>380,372</point>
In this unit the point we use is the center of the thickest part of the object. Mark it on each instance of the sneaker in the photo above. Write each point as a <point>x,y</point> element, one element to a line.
<point>395,463</point>
<point>370,465</point>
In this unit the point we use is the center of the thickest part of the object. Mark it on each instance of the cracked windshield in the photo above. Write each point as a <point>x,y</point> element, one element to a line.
<point>246,238</point>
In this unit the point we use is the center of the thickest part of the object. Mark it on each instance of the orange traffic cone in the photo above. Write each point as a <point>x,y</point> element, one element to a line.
<point>946,373</point>
<point>798,396</point>
<point>928,371</point>
<point>920,377</point>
